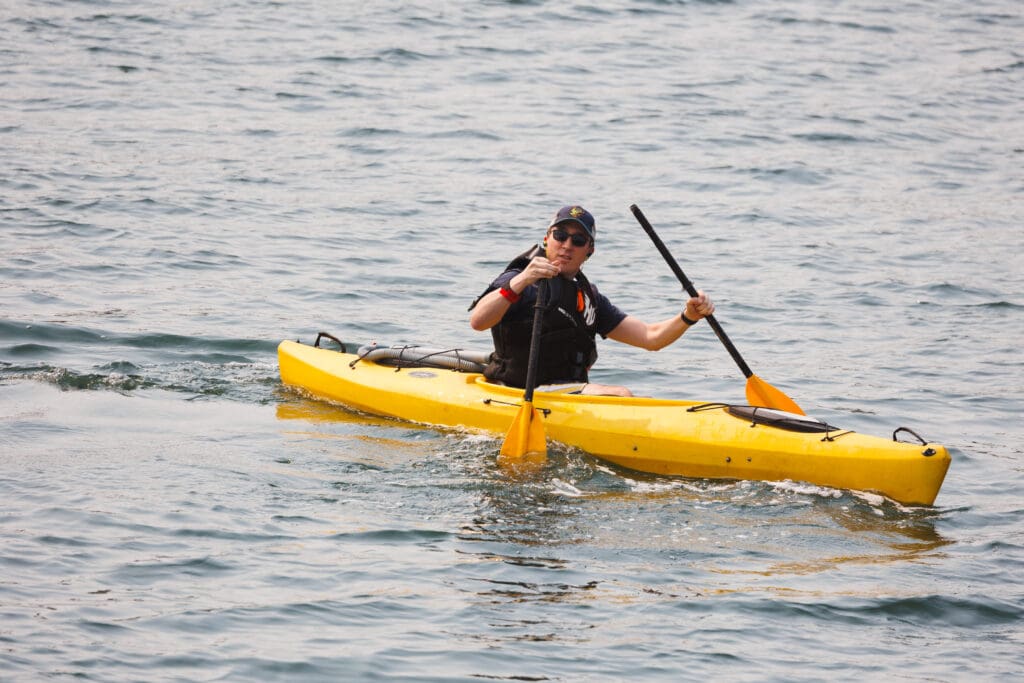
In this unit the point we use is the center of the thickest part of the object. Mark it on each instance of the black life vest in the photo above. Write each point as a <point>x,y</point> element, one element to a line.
<point>567,346</point>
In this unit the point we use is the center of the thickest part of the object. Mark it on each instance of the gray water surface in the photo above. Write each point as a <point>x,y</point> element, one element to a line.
<point>183,186</point>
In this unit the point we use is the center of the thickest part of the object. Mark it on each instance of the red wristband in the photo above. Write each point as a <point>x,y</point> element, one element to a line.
<point>509,294</point>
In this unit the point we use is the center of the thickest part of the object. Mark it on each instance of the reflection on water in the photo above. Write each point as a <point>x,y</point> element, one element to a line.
<point>572,500</point>
<point>737,532</point>
<point>294,407</point>
<point>577,533</point>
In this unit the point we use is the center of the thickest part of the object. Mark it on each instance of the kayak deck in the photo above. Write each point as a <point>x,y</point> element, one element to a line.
<point>658,436</point>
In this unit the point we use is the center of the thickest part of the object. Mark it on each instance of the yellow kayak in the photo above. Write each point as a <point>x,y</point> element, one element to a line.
<point>659,436</point>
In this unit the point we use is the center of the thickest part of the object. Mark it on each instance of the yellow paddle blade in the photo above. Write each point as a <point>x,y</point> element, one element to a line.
<point>526,435</point>
<point>760,393</point>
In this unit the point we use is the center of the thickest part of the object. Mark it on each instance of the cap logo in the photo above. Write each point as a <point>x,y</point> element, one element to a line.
<point>576,211</point>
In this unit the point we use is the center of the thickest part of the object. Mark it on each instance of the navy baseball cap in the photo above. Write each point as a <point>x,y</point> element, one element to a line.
<point>575,214</point>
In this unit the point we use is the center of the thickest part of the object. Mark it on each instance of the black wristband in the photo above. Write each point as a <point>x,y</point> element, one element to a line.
<point>687,320</point>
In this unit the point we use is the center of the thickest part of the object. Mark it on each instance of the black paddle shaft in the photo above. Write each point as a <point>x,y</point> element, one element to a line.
<point>690,289</point>
<point>538,316</point>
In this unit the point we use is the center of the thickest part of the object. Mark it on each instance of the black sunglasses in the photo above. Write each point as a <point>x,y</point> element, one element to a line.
<point>578,238</point>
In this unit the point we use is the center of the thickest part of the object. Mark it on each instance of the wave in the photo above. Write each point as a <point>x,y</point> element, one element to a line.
<point>967,612</point>
<point>80,358</point>
<point>56,332</point>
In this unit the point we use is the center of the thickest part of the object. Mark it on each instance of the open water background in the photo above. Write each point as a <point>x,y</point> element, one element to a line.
<point>182,185</point>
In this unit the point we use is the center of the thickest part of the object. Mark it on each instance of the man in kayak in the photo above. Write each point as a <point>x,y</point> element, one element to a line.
<point>575,313</point>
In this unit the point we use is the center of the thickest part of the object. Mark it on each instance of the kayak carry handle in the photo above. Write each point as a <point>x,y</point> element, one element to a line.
<point>926,452</point>
<point>334,339</point>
